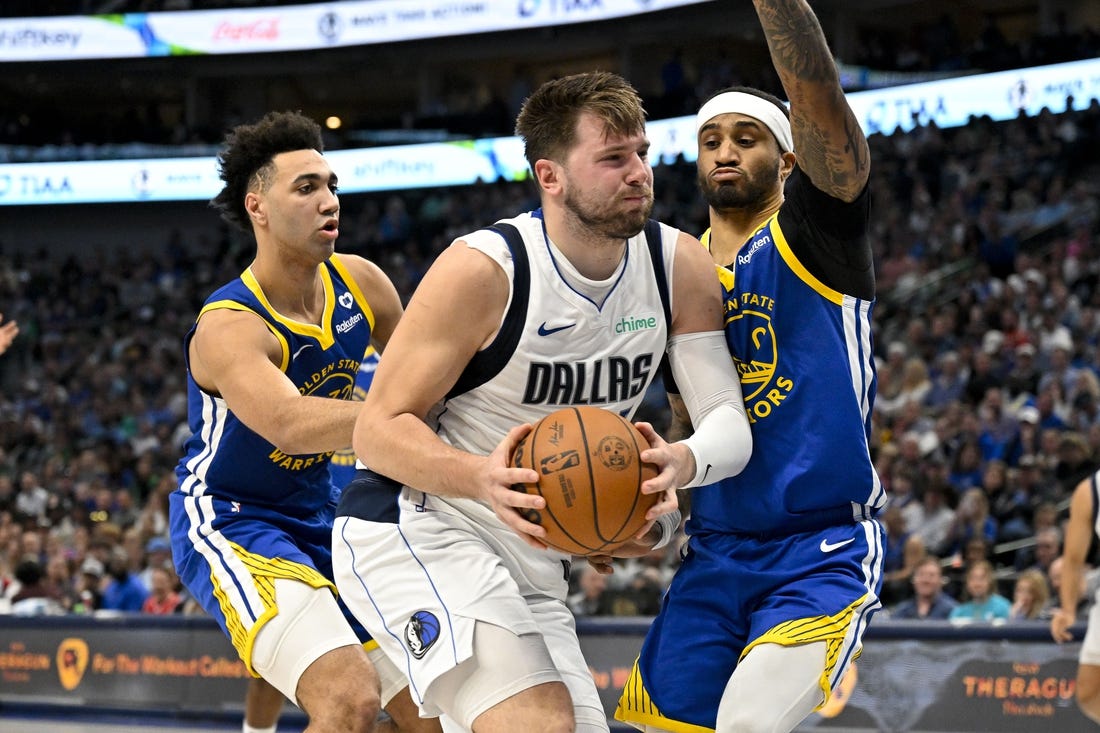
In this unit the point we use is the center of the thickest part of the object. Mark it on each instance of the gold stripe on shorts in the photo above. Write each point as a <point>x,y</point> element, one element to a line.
<point>833,630</point>
<point>264,571</point>
<point>637,708</point>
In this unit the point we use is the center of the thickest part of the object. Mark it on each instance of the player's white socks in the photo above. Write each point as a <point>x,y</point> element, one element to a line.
<point>246,728</point>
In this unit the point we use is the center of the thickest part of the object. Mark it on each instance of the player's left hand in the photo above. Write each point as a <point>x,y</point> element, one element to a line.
<point>675,468</point>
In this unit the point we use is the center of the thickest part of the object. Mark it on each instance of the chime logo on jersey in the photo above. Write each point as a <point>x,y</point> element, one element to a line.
<point>421,632</point>
<point>599,382</point>
<point>633,324</point>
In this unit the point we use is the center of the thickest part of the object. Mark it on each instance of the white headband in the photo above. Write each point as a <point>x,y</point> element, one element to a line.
<point>753,106</point>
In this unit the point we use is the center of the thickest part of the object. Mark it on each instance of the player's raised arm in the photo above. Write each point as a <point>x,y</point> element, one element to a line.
<point>832,149</point>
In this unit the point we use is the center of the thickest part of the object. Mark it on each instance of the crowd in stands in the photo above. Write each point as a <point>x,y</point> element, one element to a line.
<point>942,45</point>
<point>987,346</point>
<point>46,128</point>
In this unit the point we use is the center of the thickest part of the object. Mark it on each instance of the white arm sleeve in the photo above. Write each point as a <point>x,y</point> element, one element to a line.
<point>704,372</point>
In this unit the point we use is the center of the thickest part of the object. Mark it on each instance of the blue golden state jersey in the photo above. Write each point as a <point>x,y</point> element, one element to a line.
<point>803,352</point>
<point>342,465</point>
<point>227,460</point>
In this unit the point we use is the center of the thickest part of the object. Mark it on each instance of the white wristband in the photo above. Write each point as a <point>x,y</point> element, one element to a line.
<point>668,524</point>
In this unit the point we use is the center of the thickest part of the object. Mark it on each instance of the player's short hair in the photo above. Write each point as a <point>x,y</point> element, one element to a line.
<point>245,162</point>
<point>548,120</point>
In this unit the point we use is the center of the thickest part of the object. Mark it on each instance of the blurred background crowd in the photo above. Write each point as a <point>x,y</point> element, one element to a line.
<point>987,343</point>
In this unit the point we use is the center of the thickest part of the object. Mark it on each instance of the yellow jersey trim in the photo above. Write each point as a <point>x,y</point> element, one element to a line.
<point>322,333</point>
<point>353,288</point>
<point>232,305</point>
<point>798,268</point>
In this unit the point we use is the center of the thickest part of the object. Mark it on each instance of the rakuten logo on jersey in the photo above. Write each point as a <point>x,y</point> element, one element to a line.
<point>347,325</point>
<point>265,29</point>
<point>529,8</point>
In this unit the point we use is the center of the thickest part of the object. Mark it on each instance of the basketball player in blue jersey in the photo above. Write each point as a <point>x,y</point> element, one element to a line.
<point>263,703</point>
<point>271,366</point>
<point>1082,528</point>
<point>784,564</point>
<point>510,324</point>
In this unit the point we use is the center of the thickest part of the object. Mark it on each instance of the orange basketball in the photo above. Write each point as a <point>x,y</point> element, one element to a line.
<point>590,474</point>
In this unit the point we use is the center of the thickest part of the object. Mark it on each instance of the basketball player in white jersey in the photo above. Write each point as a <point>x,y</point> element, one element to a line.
<point>1082,527</point>
<point>574,303</point>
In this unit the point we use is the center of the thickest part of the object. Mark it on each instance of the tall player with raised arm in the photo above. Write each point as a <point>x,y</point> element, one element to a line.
<point>784,564</point>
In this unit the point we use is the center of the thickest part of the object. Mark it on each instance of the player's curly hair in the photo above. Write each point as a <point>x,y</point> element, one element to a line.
<point>245,162</point>
<point>548,120</point>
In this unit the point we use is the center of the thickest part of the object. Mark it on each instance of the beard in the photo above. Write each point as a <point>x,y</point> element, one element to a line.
<point>600,215</point>
<point>753,187</point>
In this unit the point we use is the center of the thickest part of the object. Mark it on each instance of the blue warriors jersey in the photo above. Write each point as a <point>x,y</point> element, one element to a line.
<point>225,458</point>
<point>808,390</point>
<point>342,465</point>
<point>787,552</point>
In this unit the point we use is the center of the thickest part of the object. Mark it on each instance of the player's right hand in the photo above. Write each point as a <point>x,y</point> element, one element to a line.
<point>1059,625</point>
<point>511,506</point>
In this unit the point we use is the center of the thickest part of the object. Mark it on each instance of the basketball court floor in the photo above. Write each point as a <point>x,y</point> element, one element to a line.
<point>22,722</point>
<point>77,722</point>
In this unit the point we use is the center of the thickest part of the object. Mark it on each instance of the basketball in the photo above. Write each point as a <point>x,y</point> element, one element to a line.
<point>590,473</point>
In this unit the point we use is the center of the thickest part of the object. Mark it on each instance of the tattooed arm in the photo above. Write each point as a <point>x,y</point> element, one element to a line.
<point>829,142</point>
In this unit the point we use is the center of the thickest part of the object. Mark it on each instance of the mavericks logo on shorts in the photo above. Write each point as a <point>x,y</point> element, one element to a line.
<point>421,632</point>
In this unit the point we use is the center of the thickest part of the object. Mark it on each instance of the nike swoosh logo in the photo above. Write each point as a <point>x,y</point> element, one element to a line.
<point>827,546</point>
<point>705,474</point>
<point>299,351</point>
<point>544,331</point>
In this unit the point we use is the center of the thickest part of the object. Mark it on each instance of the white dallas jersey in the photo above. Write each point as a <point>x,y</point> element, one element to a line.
<point>564,340</point>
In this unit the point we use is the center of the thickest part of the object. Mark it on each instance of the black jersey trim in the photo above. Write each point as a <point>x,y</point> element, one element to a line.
<point>370,496</point>
<point>656,254</point>
<point>488,362</point>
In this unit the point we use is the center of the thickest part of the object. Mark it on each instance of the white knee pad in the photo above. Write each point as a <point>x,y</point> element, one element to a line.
<point>308,625</point>
<point>773,689</point>
<point>390,678</point>
<point>471,688</point>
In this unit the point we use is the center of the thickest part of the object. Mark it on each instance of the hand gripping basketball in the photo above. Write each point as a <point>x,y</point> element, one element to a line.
<point>590,474</point>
